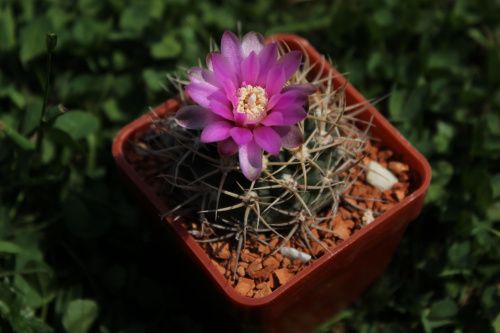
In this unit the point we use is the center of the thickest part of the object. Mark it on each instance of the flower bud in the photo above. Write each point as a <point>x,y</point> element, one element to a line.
<point>51,41</point>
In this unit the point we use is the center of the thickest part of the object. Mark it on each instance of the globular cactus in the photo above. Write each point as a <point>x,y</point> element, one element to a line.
<point>291,191</point>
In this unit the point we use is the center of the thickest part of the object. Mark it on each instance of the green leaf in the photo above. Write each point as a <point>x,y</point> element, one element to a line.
<point>119,60</point>
<point>156,8</point>
<point>64,139</point>
<point>20,140</point>
<point>493,121</point>
<point>396,104</point>
<point>90,7</point>
<point>224,18</point>
<point>430,324</point>
<point>478,37</point>
<point>383,17</point>
<point>486,227</point>
<point>442,171</point>
<point>39,277</point>
<point>77,124</point>
<point>54,112</point>
<point>443,60</point>
<point>136,17</point>
<point>488,297</point>
<point>25,324</point>
<point>472,95</point>
<point>79,316</point>
<point>5,219</point>
<point>495,185</point>
<point>477,181</point>
<point>488,271</point>
<point>459,251</point>
<point>375,61</point>
<point>10,91</point>
<point>32,116</point>
<point>31,251</point>
<point>445,134</point>
<point>425,21</point>
<point>91,32</point>
<point>443,309</point>
<point>7,29</point>
<point>153,79</point>
<point>493,211</point>
<point>8,247</point>
<point>32,39</point>
<point>65,297</point>
<point>415,102</point>
<point>167,48</point>
<point>493,64</point>
<point>113,111</point>
<point>496,323</point>
<point>48,151</point>
<point>6,298</point>
<point>30,295</point>
<point>59,18</point>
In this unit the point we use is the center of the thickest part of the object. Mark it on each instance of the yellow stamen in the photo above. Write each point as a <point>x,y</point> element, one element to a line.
<point>253,102</point>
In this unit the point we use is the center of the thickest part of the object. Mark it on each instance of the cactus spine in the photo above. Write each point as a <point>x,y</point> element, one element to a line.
<point>291,192</point>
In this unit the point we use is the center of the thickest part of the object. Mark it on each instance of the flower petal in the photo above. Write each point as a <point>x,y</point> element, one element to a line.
<point>224,70</point>
<point>292,116</point>
<point>267,59</point>
<point>252,41</point>
<point>239,118</point>
<point>241,135</point>
<point>250,69</point>
<point>216,131</point>
<point>203,93</point>
<point>291,136</point>
<point>274,118</point>
<point>287,117</point>
<point>227,147</point>
<point>202,75</point>
<point>231,49</point>
<point>195,117</point>
<point>272,101</point>
<point>275,80</point>
<point>290,99</point>
<point>230,90</point>
<point>309,88</point>
<point>250,156</point>
<point>290,62</point>
<point>222,109</point>
<point>267,139</point>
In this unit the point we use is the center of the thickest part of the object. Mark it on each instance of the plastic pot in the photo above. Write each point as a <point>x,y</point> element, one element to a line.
<point>328,284</point>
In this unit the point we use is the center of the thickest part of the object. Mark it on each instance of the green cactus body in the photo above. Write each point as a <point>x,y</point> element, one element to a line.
<point>294,186</point>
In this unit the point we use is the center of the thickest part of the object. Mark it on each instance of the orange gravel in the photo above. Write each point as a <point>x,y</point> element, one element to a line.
<point>258,273</point>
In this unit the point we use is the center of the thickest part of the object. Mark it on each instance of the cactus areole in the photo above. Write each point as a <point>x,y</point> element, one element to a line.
<point>243,103</point>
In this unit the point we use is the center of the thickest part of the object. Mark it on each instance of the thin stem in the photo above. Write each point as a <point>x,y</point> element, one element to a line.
<point>51,41</point>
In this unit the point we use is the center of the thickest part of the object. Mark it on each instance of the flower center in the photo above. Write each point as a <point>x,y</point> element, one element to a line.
<point>253,102</point>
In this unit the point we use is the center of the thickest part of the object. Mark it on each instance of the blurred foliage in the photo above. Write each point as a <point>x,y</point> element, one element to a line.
<point>75,254</point>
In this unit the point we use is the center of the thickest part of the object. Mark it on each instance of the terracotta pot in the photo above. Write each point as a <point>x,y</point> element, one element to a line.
<point>328,284</point>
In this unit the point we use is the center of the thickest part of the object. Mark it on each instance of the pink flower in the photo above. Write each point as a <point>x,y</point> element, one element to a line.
<point>244,104</point>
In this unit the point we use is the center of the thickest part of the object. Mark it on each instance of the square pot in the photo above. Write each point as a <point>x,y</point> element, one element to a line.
<point>330,283</point>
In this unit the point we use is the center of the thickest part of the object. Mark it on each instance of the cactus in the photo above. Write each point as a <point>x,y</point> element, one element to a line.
<point>294,187</point>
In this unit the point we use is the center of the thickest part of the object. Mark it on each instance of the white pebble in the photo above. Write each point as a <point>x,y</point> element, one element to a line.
<point>368,217</point>
<point>379,177</point>
<point>293,254</point>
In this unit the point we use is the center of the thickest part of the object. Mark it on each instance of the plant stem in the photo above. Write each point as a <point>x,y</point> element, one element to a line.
<point>51,42</point>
